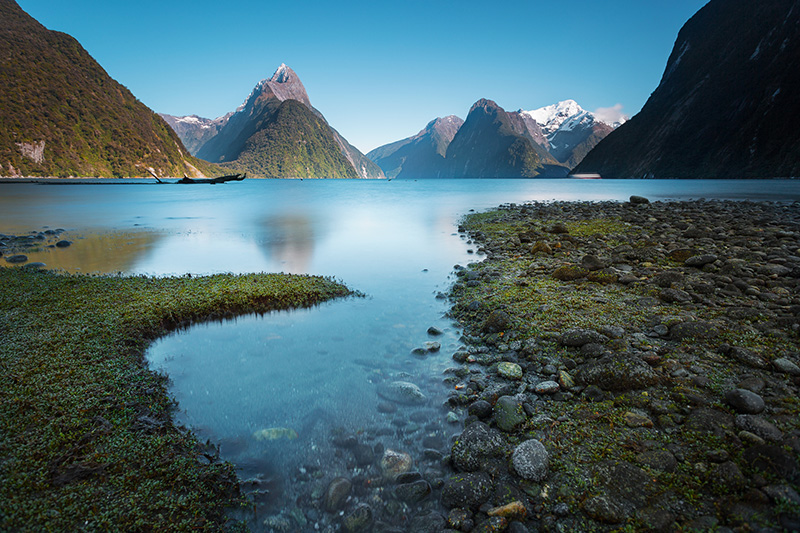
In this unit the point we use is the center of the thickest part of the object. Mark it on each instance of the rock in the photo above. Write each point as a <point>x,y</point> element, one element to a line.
<point>63,244</point>
<point>476,447</point>
<point>494,524</point>
<point>509,370</point>
<point>673,296</point>
<point>636,420</point>
<point>570,272</point>
<point>782,364</point>
<point>699,261</point>
<point>431,346</point>
<point>773,460</point>
<point>592,262</point>
<point>639,200</point>
<point>413,492</point>
<point>681,254</point>
<point>18,258</point>
<point>497,321</point>
<point>430,522</point>
<point>508,413</point>
<point>697,329</point>
<point>480,408</point>
<point>706,420</point>
<point>394,463</point>
<point>402,392</point>
<point>726,477</point>
<point>559,229</point>
<point>547,387</point>
<point>359,520</point>
<point>460,519</point>
<point>593,393</point>
<point>511,511</point>
<point>658,460</point>
<point>530,460</point>
<point>603,509</point>
<point>468,490</point>
<point>577,337</point>
<point>336,494</point>
<point>620,372</point>
<point>565,380</point>
<point>747,357</point>
<point>745,401</point>
<point>35,265</point>
<point>759,426</point>
<point>541,247</point>
<point>434,331</point>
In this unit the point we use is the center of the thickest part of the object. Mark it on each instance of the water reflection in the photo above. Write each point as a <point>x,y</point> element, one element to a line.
<point>289,241</point>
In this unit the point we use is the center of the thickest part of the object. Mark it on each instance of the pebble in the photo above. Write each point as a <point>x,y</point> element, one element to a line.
<point>786,366</point>
<point>509,370</point>
<point>745,401</point>
<point>547,387</point>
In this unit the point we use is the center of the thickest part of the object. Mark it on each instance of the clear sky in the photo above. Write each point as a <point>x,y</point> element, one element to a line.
<point>378,71</point>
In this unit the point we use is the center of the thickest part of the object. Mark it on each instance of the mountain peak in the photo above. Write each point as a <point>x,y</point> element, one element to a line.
<point>283,74</point>
<point>485,104</point>
<point>551,117</point>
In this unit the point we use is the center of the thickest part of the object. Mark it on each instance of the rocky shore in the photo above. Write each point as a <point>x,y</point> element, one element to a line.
<point>628,367</point>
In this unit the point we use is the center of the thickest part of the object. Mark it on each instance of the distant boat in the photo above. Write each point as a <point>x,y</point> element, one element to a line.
<point>585,176</point>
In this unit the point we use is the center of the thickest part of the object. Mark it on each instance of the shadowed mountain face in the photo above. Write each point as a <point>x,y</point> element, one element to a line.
<point>63,115</point>
<point>420,156</point>
<point>727,103</point>
<point>255,138</point>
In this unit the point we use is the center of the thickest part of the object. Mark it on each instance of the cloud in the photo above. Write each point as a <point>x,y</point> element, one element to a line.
<point>611,115</point>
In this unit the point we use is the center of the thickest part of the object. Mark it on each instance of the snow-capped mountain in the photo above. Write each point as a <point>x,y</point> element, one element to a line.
<point>195,131</point>
<point>571,131</point>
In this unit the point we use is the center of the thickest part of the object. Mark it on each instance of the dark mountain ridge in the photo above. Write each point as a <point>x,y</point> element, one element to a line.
<point>726,106</point>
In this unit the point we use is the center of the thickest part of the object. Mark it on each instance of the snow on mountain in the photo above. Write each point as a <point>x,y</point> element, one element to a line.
<point>551,117</point>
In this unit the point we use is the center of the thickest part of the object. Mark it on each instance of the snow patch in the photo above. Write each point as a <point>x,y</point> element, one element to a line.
<point>551,117</point>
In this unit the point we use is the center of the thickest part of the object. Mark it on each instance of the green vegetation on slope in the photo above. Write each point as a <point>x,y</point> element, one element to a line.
<point>63,115</point>
<point>86,434</point>
<point>293,143</point>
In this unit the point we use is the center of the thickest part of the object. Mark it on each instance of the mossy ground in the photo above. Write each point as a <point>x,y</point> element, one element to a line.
<point>580,434</point>
<point>86,436</point>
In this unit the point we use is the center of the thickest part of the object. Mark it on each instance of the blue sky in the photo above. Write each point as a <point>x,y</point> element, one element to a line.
<point>378,71</point>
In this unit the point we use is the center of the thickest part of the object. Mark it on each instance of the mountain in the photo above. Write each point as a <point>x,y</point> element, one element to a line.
<point>267,138</point>
<point>63,115</point>
<point>195,131</point>
<point>570,132</point>
<point>420,156</point>
<point>490,145</point>
<point>726,106</point>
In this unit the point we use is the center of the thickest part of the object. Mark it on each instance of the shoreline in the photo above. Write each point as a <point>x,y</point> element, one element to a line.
<point>628,365</point>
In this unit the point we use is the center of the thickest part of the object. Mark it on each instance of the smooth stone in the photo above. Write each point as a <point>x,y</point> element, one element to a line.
<point>512,511</point>
<point>336,494</point>
<point>747,357</point>
<point>638,200</point>
<point>394,463</point>
<point>497,321</point>
<point>509,370</point>
<point>480,408</point>
<point>636,420</point>
<point>530,460</point>
<point>745,401</point>
<point>577,337</point>
<point>759,426</point>
<point>18,258</point>
<point>782,364</point>
<point>413,492</point>
<point>509,413</point>
<point>699,261</point>
<point>359,520</point>
<point>476,447</point>
<point>401,392</point>
<point>63,244</point>
<point>431,346</point>
<point>434,331</point>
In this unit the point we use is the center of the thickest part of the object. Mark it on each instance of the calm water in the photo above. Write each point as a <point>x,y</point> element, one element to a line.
<point>308,371</point>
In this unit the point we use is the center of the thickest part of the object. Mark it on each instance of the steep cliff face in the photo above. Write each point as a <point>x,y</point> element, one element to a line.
<point>727,103</point>
<point>61,114</point>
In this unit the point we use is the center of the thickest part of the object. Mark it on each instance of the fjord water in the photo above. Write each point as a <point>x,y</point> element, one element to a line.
<point>302,374</point>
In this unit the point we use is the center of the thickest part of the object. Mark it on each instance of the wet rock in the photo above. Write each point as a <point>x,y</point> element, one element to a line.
<point>460,519</point>
<point>674,296</point>
<point>467,490</point>
<point>434,331</point>
<point>639,200</point>
<point>745,401</point>
<point>18,258</point>
<point>512,511</point>
<point>509,370</point>
<point>359,520</point>
<point>494,524</point>
<point>431,346</point>
<point>336,494</point>
<point>593,393</point>
<point>480,408</point>
<point>541,247</point>
<point>603,509</point>
<point>592,262</point>
<point>508,413</point>
<point>476,447</point>
<point>497,321</point>
<point>431,522</point>
<point>530,460</point>
<point>577,337</point>
<point>413,492</point>
<point>402,392</point>
<point>394,463</point>
<point>637,420</point>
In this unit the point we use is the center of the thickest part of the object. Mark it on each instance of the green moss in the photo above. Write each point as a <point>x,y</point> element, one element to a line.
<point>85,427</point>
